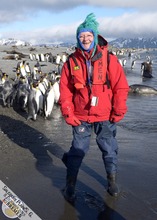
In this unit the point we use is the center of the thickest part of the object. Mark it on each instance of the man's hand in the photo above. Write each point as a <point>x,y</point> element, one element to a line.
<point>116,117</point>
<point>72,120</point>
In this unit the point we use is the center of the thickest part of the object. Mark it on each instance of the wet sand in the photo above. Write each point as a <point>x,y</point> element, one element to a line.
<point>31,167</point>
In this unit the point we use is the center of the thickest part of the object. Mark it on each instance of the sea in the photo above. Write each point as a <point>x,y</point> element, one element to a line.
<point>142,108</point>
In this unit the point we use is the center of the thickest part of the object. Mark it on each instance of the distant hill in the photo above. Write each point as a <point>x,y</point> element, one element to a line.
<point>118,43</point>
<point>127,43</point>
<point>134,42</point>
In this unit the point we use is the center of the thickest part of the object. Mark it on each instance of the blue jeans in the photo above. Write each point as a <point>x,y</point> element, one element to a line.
<point>106,140</point>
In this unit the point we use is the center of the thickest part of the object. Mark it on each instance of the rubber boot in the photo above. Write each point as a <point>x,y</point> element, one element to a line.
<point>113,189</point>
<point>64,159</point>
<point>69,191</point>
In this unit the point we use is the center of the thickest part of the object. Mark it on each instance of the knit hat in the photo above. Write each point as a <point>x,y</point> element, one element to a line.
<point>91,25</point>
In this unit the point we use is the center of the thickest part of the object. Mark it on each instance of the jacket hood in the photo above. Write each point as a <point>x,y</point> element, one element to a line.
<point>102,42</point>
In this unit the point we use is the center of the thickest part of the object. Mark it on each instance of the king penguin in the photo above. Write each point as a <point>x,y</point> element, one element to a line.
<point>35,102</point>
<point>49,100</point>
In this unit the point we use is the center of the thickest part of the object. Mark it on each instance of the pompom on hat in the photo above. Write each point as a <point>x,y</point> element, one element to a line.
<point>91,25</point>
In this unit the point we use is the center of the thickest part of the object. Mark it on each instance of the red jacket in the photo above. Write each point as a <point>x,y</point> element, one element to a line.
<point>76,92</point>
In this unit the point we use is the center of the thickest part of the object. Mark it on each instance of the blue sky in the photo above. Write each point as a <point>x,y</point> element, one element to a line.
<point>48,21</point>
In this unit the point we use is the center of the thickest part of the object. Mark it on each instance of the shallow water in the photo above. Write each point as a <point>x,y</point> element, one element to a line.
<point>141,115</point>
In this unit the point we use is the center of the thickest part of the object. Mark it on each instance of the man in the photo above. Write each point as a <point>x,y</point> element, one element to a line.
<point>93,94</point>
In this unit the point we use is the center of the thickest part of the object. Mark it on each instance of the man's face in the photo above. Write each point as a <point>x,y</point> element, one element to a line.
<point>86,39</point>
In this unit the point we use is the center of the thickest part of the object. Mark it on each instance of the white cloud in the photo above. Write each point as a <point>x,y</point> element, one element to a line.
<point>18,9</point>
<point>130,25</point>
<point>127,25</point>
<point>138,21</point>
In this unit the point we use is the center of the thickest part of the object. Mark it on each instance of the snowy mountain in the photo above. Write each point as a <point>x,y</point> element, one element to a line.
<point>118,43</point>
<point>13,42</point>
<point>134,43</point>
<point>126,43</point>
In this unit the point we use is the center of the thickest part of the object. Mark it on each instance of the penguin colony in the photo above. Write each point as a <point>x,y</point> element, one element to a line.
<point>36,92</point>
<point>146,66</point>
<point>32,91</point>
